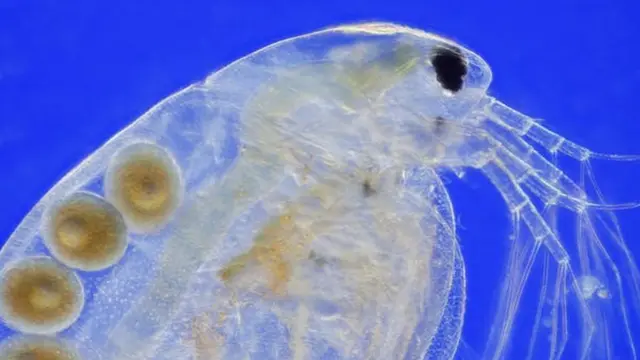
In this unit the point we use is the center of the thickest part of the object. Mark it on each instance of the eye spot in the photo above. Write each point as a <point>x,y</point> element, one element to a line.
<point>440,125</point>
<point>450,68</point>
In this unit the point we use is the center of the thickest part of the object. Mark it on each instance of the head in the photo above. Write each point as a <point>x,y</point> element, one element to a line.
<point>425,88</point>
<point>449,78</point>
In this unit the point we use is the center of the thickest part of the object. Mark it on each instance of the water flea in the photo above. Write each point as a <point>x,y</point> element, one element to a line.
<point>303,191</point>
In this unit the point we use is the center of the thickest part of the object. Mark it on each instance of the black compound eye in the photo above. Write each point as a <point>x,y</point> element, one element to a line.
<point>450,67</point>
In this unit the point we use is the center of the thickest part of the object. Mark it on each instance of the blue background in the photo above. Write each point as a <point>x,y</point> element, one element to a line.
<point>73,73</point>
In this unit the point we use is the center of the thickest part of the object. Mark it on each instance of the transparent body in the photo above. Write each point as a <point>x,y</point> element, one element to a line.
<point>290,206</point>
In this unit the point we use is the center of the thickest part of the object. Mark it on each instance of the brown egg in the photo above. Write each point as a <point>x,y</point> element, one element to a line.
<point>39,296</point>
<point>144,183</point>
<point>85,232</point>
<point>36,348</point>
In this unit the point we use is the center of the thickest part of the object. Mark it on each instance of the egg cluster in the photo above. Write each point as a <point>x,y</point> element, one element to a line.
<point>42,296</point>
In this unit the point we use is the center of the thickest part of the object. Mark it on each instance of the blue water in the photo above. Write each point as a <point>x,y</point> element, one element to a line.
<point>72,73</point>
